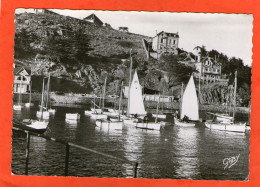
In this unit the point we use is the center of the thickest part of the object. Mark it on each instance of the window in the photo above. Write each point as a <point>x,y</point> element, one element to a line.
<point>174,41</point>
<point>161,40</point>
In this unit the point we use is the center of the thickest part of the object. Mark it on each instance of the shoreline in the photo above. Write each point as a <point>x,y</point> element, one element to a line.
<point>79,99</point>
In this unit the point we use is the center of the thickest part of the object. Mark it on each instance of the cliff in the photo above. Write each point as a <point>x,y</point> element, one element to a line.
<point>79,55</point>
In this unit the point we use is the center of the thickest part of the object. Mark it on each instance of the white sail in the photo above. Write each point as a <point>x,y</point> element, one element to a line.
<point>136,99</point>
<point>190,106</point>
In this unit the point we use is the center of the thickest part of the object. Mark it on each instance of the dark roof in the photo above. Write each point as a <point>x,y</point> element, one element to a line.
<point>94,17</point>
<point>20,68</point>
<point>168,34</point>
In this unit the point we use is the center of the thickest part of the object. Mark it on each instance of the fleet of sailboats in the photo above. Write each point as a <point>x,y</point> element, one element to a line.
<point>110,118</point>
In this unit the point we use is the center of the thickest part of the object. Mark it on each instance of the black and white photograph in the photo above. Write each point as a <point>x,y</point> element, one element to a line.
<point>128,94</point>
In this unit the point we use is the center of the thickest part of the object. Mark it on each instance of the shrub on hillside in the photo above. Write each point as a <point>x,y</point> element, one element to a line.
<point>126,44</point>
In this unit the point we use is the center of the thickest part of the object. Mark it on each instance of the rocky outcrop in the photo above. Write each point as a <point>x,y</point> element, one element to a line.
<point>216,94</point>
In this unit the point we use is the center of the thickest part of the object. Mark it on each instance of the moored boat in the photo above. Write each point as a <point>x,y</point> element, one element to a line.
<point>227,125</point>
<point>151,125</point>
<point>189,114</point>
<point>43,114</point>
<point>237,127</point>
<point>98,116</point>
<point>72,116</point>
<point>177,122</point>
<point>18,106</point>
<point>160,116</point>
<point>36,126</point>
<point>110,125</point>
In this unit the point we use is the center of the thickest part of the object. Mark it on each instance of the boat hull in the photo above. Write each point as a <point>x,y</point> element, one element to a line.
<point>35,126</point>
<point>109,125</point>
<point>71,116</point>
<point>17,107</point>
<point>132,121</point>
<point>226,127</point>
<point>28,104</point>
<point>52,111</point>
<point>44,114</point>
<point>151,126</point>
<point>98,116</point>
<point>160,116</point>
<point>88,112</point>
<point>183,124</point>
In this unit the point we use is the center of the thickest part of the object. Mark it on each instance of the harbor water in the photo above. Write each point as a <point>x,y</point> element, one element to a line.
<point>175,153</point>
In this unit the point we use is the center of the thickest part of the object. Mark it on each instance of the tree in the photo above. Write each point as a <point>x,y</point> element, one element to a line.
<point>177,72</point>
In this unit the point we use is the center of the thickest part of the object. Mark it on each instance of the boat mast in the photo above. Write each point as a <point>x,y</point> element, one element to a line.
<point>42,99</point>
<point>157,108</point>
<point>120,100</point>
<point>47,92</point>
<point>116,95</point>
<point>235,94</point>
<point>94,102</point>
<point>20,95</point>
<point>104,92</point>
<point>181,98</point>
<point>130,74</point>
<point>30,97</point>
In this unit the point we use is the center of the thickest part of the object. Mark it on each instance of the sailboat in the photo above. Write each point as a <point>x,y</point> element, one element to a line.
<point>98,113</point>
<point>160,116</point>
<point>228,125</point>
<point>37,126</point>
<point>43,113</point>
<point>48,101</point>
<point>152,125</point>
<point>189,108</point>
<point>18,106</point>
<point>29,104</point>
<point>136,107</point>
<point>135,102</point>
<point>112,123</point>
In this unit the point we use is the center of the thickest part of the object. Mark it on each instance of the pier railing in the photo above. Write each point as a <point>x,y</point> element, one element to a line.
<point>67,152</point>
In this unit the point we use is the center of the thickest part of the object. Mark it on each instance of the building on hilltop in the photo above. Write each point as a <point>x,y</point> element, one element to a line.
<point>123,29</point>
<point>38,11</point>
<point>93,19</point>
<point>165,43</point>
<point>22,79</point>
<point>209,69</point>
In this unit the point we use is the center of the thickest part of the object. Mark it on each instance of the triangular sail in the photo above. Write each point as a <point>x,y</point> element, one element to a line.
<point>136,99</point>
<point>190,107</point>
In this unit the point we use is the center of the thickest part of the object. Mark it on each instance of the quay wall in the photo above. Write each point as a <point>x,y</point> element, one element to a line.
<point>79,99</point>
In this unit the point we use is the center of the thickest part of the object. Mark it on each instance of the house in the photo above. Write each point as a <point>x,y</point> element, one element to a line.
<point>93,19</point>
<point>22,79</point>
<point>165,43</point>
<point>123,29</point>
<point>209,70</point>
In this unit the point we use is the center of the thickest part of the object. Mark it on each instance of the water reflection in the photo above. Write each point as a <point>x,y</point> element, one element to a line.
<point>186,152</point>
<point>177,153</point>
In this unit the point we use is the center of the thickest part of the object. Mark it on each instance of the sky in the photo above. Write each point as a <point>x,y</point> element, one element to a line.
<point>230,34</point>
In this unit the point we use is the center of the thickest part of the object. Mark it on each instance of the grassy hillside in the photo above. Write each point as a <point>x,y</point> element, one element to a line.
<point>72,49</point>
<point>79,55</point>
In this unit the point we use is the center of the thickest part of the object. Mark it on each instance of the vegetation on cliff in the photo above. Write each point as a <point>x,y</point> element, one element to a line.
<point>80,55</point>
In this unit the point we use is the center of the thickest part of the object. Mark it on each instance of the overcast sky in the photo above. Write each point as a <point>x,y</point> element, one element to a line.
<point>227,33</point>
